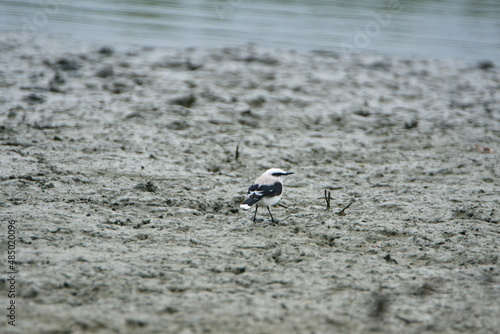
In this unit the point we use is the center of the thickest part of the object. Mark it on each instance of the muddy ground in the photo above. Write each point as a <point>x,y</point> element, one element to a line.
<point>120,169</point>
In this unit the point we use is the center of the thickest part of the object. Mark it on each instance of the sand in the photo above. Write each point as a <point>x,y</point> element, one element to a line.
<point>124,170</point>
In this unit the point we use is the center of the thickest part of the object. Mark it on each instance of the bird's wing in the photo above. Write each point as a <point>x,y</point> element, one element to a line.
<point>265,190</point>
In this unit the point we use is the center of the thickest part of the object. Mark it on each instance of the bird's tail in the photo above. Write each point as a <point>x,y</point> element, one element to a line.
<point>249,202</point>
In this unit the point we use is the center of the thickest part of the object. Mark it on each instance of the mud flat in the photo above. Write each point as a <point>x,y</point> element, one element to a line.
<point>120,169</point>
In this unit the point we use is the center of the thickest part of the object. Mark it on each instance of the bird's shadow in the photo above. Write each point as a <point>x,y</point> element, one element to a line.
<point>265,222</point>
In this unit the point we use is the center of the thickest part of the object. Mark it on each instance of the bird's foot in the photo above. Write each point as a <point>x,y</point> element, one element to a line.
<point>275,222</point>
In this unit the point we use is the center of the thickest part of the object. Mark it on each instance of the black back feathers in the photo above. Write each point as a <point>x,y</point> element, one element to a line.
<point>265,190</point>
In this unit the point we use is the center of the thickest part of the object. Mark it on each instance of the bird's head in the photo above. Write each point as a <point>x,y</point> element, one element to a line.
<point>277,172</point>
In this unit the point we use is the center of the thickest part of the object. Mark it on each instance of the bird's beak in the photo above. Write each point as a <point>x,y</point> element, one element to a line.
<point>288,173</point>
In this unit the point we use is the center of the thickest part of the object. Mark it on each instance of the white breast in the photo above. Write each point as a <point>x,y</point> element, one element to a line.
<point>268,201</point>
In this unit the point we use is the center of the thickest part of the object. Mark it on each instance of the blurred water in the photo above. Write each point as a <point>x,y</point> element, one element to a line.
<point>447,28</point>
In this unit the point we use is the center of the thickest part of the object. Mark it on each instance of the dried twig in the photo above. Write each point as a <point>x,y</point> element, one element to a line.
<point>341,212</point>
<point>328,198</point>
<point>237,153</point>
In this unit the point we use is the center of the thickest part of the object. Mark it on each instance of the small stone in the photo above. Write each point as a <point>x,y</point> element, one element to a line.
<point>66,64</point>
<point>389,259</point>
<point>192,66</point>
<point>117,87</point>
<point>105,72</point>
<point>178,125</point>
<point>236,270</point>
<point>29,293</point>
<point>413,123</point>
<point>106,51</point>
<point>485,64</point>
<point>48,185</point>
<point>142,236</point>
<point>185,101</point>
<point>148,186</point>
<point>170,310</point>
<point>253,123</point>
<point>362,112</point>
<point>135,323</point>
<point>58,79</point>
<point>34,99</point>
<point>257,101</point>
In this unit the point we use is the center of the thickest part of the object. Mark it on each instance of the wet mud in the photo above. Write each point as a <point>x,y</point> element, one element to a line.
<point>124,171</point>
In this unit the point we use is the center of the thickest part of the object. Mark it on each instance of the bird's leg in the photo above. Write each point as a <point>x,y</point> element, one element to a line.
<point>255,214</point>
<point>272,219</point>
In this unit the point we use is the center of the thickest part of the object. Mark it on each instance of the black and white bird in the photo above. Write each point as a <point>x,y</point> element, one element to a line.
<point>266,191</point>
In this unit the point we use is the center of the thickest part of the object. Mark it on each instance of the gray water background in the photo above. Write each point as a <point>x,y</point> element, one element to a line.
<point>449,28</point>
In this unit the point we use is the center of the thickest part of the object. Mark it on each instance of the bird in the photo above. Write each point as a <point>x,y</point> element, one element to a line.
<point>266,191</point>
